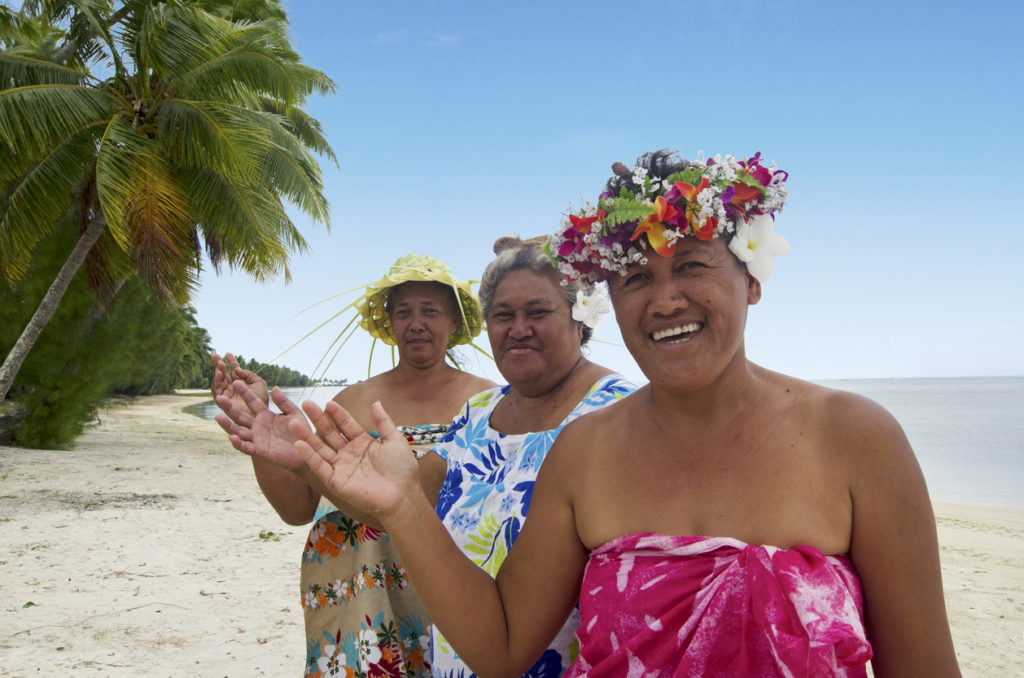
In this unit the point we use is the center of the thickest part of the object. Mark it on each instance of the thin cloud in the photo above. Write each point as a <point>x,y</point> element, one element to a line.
<point>439,39</point>
<point>391,37</point>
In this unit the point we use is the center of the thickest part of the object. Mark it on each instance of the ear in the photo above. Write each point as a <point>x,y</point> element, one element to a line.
<point>753,290</point>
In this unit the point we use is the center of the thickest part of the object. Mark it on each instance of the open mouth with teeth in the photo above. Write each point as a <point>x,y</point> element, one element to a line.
<point>675,334</point>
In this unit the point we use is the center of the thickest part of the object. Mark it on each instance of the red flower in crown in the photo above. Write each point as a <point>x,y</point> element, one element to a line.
<point>585,224</point>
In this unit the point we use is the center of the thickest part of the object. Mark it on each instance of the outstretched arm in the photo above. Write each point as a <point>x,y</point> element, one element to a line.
<point>499,627</point>
<point>895,549</point>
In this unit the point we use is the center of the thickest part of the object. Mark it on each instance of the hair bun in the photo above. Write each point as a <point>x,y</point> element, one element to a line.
<point>515,242</point>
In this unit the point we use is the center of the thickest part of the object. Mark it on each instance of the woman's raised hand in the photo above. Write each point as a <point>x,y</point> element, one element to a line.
<point>253,429</point>
<point>373,475</point>
<point>227,371</point>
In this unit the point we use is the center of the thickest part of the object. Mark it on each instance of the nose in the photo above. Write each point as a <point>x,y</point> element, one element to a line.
<point>668,299</point>
<point>520,327</point>
<point>416,323</point>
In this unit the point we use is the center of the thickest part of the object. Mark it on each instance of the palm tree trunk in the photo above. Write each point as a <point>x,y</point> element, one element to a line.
<point>48,305</point>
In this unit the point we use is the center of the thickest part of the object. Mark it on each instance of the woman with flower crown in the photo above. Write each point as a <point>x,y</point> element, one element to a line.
<point>724,520</point>
<point>361,615</point>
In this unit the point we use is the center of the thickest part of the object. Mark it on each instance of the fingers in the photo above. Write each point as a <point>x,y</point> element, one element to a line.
<point>316,463</point>
<point>326,427</point>
<point>232,361</point>
<point>315,441</point>
<point>251,399</point>
<point>344,421</point>
<point>382,420</point>
<point>220,375</point>
<point>281,400</point>
<point>235,412</point>
<point>299,428</point>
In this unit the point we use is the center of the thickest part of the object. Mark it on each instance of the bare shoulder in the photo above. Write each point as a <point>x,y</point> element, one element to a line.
<point>357,398</point>
<point>598,429</point>
<point>839,416</point>
<point>470,384</point>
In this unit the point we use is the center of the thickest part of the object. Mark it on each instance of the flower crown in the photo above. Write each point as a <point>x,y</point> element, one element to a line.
<point>702,199</point>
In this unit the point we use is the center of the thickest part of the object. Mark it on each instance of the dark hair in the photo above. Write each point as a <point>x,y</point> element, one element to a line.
<point>524,255</point>
<point>659,164</point>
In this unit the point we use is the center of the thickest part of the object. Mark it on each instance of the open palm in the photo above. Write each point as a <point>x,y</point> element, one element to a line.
<point>255,430</point>
<point>373,475</point>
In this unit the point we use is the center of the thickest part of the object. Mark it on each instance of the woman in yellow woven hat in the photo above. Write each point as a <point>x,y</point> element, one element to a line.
<point>360,611</point>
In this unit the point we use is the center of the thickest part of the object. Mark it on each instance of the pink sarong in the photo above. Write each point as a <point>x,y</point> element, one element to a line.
<point>657,605</point>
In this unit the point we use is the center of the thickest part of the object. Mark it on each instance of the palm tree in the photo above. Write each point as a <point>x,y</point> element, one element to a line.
<point>169,129</point>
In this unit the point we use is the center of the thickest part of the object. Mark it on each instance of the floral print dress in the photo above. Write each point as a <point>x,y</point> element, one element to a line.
<point>486,496</point>
<point>363,618</point>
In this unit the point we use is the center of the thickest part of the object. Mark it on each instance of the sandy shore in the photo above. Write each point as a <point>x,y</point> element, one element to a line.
<point>148,550</point>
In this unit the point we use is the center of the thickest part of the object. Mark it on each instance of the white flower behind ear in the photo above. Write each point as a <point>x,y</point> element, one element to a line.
<point>589,308</point>
<point>755,245</point>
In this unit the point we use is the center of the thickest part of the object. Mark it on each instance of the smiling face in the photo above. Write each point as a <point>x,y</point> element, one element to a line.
<point>682,317</point>
<point>423,319</point>
<point>533,337</point>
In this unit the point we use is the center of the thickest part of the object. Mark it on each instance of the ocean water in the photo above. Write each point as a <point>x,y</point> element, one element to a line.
<point>968,434</point>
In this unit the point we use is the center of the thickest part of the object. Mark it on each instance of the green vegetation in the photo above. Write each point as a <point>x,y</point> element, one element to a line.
<point>140,346</point>
<point>138,138</point>
<point>167,131</point>
<point>275,375</point>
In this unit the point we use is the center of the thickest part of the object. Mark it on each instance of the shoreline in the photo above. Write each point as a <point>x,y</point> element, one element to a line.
<point>148,549</point>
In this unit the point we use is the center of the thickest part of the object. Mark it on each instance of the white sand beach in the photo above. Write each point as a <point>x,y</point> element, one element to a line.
<point>148,550</point>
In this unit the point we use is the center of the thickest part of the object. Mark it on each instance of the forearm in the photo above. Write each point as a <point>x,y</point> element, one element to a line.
<point>291,496</point>
<point>463,600</point>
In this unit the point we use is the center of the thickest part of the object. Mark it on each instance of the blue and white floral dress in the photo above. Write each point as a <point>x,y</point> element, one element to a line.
<point>486,496</point>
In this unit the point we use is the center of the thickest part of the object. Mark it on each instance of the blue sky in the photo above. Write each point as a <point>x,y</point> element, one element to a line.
<point>459,122</point>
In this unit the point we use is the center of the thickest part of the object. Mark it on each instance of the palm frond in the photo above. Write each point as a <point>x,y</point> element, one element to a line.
<point>288,168</point>
<point>33,203</point>
<point>304,127</point>
<point>160,222</point>
<point>18,70</point>
<point>204,134</point>
<point>121,158</point>
<point>311,81</point>
<point>35,118</point>
<point>93,19</point>
<point>242,225</point>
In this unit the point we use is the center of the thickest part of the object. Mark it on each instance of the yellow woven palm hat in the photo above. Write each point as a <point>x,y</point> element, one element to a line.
<point>372,306</point>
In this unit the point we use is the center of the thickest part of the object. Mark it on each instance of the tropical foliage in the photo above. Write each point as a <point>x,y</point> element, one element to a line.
<point>275,375</point>
<point>141,346</point>
<point>167,131</point>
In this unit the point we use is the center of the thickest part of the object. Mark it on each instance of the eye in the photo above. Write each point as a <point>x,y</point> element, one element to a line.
<point>431,311</point>
<point>402,313</point>
<point>633,278</point>
<point>690,266</point>
<point>501,316</point>
<point>538,313</point>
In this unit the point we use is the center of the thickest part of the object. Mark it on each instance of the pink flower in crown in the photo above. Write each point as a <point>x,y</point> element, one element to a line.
<point>755,169</point>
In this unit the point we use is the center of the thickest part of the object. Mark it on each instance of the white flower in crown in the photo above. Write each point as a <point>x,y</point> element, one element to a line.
<point>755,244</point>
<point>589,308</point>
